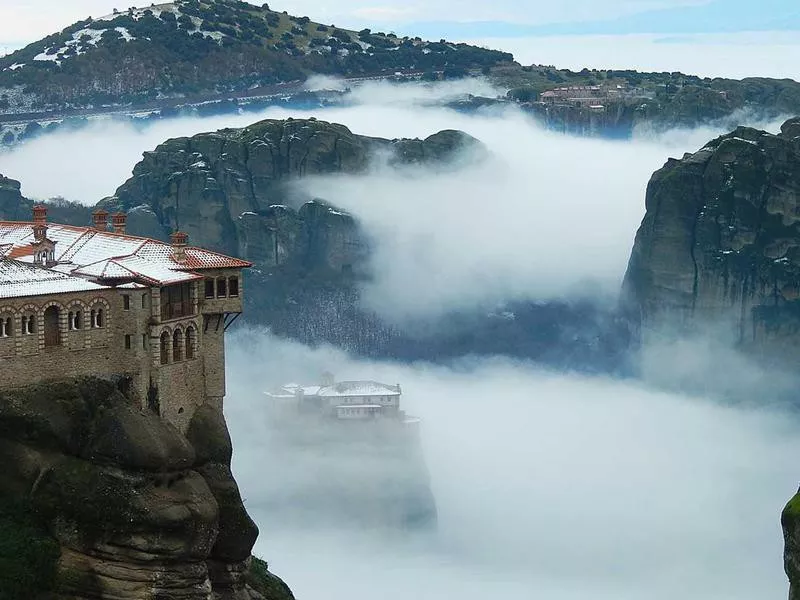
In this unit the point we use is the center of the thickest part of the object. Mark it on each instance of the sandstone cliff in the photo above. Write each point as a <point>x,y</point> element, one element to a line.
<point>790,520</point>
<point>100,500</point>
<point>12,205</point>
<point>231,190</point>
<point>720,245</point>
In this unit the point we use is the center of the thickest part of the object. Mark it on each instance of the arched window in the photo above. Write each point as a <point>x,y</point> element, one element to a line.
<point>191,340</point>
<point>98,318</point>
<point>6,327</point>
<point>165,348</point>
<point>52,330</point>
<point>75,320</point>
<point>177,346</point>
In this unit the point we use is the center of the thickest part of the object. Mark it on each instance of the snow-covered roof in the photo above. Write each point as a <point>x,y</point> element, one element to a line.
<point>86,254</point>
<point>359,388</point>
<point>340,389</point>
<point>18,280</point>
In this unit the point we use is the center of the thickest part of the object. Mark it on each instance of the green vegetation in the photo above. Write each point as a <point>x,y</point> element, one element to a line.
<point>265,583</point>
<point>213,46</point>
<point>28,555</point>
<point>672,98</point>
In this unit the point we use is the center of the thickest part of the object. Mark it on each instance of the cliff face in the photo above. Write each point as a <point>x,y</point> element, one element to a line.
<point>720,244</point>
<point>12,205</point>
<point>231,190</point>
<point>118,503</point>
<point>790,520</point>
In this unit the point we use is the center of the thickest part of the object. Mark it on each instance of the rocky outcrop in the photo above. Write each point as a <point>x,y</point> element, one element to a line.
<point>232,190</point>
<point>13,207</point>
<point>790,521</point>
<point>720,245</point>
<point>119,503</point>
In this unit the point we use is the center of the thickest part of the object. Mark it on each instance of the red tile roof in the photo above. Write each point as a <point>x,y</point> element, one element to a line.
<point>109,257</point>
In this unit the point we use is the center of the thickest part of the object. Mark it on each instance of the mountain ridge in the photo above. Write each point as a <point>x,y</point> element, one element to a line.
<point>209,46</point>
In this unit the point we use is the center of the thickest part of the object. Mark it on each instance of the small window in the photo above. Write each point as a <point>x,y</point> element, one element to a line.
<point>144,300</point>
<point>98,319</point>
<point>126,302</point>
<point>209,288</point>
<point>144,341</point>
<point>233,287</point>
<point>222,287</point>
<point>5,327</point>
<point>75,320</point>
<point>128,342</point>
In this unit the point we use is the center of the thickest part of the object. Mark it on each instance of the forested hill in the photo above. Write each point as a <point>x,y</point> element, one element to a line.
<point>208,46</point>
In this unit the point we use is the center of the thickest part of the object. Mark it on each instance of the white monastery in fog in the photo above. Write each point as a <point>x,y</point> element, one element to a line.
<point>343,400</point>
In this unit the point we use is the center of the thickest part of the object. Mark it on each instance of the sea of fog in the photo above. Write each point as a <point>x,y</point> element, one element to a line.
<point>548,485</point>
<point>545,216</point>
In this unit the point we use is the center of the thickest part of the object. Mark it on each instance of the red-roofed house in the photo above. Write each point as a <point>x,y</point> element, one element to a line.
<point>87,301</point>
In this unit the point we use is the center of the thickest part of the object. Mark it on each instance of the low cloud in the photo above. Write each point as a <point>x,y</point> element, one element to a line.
<point>547,485</point>
<point>545,216</point>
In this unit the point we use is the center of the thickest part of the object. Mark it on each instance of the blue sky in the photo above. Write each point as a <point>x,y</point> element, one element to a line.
<point>28,20</point>
<point>718,16</point>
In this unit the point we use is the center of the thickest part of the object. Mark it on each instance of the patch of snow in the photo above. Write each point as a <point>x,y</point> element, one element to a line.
<point>125,34</point>
<point>94,34</point>
<point>426,50</point>
<point>215,35</point>
<point>16,66</point>
<point>44,56</point>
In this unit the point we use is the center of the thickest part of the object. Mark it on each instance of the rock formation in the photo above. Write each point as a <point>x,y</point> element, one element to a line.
<point>231,190</point>
<point>106,501</point>
<point>13,206</point>
<point>790,520</point>
<point>720,245</point>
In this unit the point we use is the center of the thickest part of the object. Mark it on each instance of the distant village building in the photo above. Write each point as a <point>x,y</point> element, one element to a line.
<point>79,301</point>
<point>593,97</point>
<point>343,400</point>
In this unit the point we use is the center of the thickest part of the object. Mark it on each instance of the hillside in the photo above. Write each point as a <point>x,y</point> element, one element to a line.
<point>207,47</point>
<point>614,103</point>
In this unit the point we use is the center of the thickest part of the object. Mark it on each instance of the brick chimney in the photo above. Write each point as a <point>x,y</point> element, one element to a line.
<point>118,222</point>
<point>39,214</point>
<point>179,242</point>
<point>39,222</point>
<point>100,219</point>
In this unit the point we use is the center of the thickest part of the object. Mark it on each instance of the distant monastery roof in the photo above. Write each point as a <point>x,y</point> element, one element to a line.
<point>340,389</point>
<point>87,258</point>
